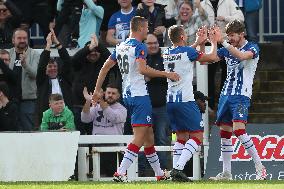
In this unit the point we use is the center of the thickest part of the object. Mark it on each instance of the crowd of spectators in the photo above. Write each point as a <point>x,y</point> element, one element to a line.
<point>32,84</point>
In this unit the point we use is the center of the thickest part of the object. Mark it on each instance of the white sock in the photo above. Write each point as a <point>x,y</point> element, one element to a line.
<point>128,158</point>
<point>177,150</point>
<point>189,149</point>
<point>250,148</point>
<point>153,160</point>
<point>226,153</point>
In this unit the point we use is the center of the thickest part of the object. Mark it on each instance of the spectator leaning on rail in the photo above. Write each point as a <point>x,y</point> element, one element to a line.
<point>108,118</point>
<point>53,77</point>
<point>58,116</point>
<point>24,63</point>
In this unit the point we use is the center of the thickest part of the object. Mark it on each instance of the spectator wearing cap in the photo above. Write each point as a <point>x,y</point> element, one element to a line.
<point>52,77</point>
<point>200,100</point>
<point>8,110</point>
<point>87,63</point>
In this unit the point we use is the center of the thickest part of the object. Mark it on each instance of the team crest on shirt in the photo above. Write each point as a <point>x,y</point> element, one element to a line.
<point>201,123</point>
<point>148,118</point>
<point>142,53</point>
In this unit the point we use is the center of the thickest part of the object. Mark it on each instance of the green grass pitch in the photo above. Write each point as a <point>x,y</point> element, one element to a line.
<point>145,185</point>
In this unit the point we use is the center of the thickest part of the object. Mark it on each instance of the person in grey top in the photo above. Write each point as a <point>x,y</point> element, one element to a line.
<point>24,63</point>
<point>108,116</point>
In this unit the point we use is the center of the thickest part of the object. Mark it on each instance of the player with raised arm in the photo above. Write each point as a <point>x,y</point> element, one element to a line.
<point>241,57</point>
<point>183,112</point>
<point>131,58</point>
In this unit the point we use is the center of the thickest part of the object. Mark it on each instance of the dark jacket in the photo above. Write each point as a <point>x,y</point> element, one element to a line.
<point>9,77</point>
<point>7,28</point>
<point>9,117</point>
<point>86,73</point>
<point>157,87</point>
<point>44,86</point>
<point>157,18</point>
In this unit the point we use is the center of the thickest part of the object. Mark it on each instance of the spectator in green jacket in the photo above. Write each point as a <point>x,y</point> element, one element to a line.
<point>58,116</point>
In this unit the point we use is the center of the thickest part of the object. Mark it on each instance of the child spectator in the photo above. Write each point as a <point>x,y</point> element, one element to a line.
<point>58,116</point>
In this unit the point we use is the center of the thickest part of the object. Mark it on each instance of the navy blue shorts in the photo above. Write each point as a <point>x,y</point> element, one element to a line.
<point>185,116</point>
<point>232,108</point>
<point>140,109</point>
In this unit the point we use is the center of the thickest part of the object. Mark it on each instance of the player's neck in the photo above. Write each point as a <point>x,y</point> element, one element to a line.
<point>136,36</point>
<point>181,43</point>
<point>242,43</point>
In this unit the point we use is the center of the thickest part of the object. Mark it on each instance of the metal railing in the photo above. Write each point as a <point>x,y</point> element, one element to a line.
<point>268,29</point>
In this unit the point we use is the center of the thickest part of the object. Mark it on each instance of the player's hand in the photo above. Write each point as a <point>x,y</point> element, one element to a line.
<point>201,35</point>
<point>215,34</point>
<point>173,76</point>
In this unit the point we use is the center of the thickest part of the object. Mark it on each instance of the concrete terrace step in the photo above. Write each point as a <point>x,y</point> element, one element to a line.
<point>267,107</point>
<point>268,97</point>
<point>270,75</point>
<point>271,56</point>
<point>266,118</point>
<point>273,86</point>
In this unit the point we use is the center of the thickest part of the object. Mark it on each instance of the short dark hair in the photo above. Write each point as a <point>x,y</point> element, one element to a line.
<point>20,29</point>
<point>113,85</point>
<point>235,26</point>
<point>4,89</point>
<point>175,32</point>
<point>55,97</point>
<point>3,51</point>
<point>137,22</point>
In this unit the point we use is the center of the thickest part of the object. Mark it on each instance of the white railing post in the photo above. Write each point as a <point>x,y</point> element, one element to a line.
<point>202,85</point>
<point>83,163</point>
<point>261,25</point>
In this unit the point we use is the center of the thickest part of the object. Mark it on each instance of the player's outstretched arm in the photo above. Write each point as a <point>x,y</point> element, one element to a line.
<point>211,57</point>
<point>150,72</point>
<point>102,75</point>
<point>201,37</point>
<point>236,52</point>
